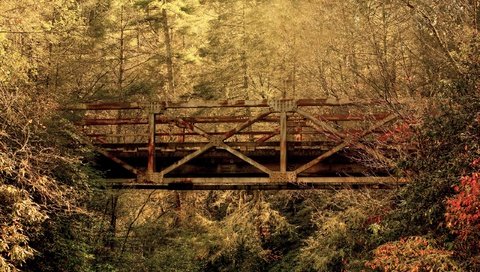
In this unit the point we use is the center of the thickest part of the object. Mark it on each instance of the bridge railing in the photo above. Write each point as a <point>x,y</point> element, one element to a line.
<point>103,120</point>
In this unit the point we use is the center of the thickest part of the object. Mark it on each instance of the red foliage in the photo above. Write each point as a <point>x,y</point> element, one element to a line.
<point>377,217</point>
<point>399,134</point>
<point>463,211</point>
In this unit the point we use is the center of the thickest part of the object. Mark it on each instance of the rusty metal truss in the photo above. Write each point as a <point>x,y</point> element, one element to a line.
<point>269,144</point>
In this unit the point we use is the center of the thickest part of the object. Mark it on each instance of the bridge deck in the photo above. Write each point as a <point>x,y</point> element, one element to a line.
<point>327,183</point>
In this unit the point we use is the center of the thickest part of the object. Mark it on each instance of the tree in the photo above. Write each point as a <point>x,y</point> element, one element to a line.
<point>179,26</point>
<point>241,58</point>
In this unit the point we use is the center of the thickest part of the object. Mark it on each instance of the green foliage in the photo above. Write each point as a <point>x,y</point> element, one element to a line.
<point>63,245</point>
<point>39,179</point>
<point>43,185</point>
<point>42,177</point>
<point>249,234</point>
<point>96,14</point>
<point>19,216</point>
<point>447,143</point>
<point>345,233</point>
<point>237,232</point>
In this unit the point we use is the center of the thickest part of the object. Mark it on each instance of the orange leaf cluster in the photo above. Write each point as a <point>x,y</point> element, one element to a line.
<point>411,254</point>
<point>463,210</point>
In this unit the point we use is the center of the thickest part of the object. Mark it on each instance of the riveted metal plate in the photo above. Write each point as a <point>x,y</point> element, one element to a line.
<point>283,177</point>
<point>155,107</point>
<point>283,105</point>
<point>217,141</point>
<point>153,177</point>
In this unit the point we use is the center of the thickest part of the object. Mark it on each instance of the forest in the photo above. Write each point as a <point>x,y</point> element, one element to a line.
<point>57,215</point>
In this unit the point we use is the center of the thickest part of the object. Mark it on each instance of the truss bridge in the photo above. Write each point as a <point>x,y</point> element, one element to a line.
<point>269,144</point>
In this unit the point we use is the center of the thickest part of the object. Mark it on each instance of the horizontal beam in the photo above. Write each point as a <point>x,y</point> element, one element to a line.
<point>192,145</point>
<point>224,119</point>
<point>218,168</point>
<point>309,131</point>
<point>106,106</point>
<point>327,183</point>
<point>269,148</point>
<point>215,104</point>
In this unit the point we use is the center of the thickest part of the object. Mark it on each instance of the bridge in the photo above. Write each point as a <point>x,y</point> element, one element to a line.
<point>268,144</point>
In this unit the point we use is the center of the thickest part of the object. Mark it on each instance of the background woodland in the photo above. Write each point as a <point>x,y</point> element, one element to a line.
<point>55,216</point>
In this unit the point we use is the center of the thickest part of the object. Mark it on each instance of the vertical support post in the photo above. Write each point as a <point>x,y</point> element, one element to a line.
<point>283,140</point>
<point>151,143</point>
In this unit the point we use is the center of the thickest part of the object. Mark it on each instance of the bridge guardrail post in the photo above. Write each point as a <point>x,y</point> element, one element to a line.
<point>152,111</point>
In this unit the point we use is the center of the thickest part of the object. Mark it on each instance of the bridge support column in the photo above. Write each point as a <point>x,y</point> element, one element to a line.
<point>283,106</point>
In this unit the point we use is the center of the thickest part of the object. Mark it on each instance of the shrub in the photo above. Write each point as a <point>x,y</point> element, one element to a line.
<point>463,217</point>
<point>412,254</point>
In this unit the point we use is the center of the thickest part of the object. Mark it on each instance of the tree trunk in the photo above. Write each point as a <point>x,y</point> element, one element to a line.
<point>121,71</point>
<point>113,223</point>
<point>168,49</point>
